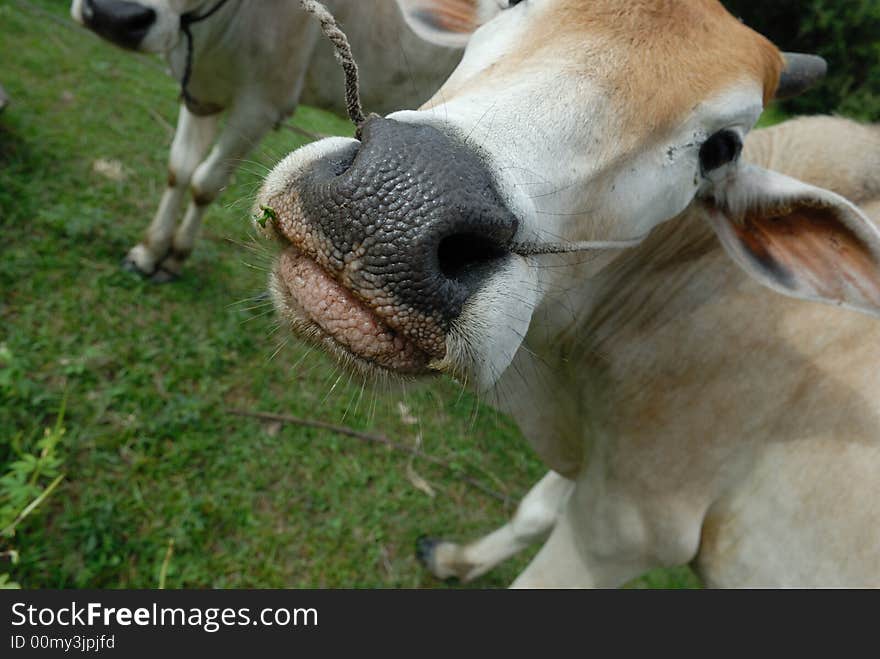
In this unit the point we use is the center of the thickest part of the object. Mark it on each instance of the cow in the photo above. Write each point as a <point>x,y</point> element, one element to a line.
<point>687,339</point>
<point>252,62</point>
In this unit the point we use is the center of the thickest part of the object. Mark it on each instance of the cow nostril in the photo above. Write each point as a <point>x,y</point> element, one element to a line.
<point>462,255</point>
<point>341,162</point>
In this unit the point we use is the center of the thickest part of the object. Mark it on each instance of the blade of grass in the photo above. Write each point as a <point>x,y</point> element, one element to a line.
<point>33,505</point>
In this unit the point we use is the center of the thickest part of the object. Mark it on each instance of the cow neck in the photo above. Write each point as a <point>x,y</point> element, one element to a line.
<point>187,20</point>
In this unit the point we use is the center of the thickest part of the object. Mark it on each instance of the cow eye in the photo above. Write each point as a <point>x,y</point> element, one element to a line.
<point>513,3</point>
<point>722,148</point>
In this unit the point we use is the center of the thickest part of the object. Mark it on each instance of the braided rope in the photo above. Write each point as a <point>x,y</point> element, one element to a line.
<point>344,56</point>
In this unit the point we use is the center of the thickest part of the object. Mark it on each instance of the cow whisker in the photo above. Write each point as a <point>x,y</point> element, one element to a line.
<point>281,346</point>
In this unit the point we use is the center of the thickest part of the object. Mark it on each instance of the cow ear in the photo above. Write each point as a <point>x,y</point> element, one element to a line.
<point>797,239</point>
<point>447,23</point>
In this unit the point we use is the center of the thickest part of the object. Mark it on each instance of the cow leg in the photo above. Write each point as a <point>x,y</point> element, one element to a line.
<point>804,516</point>
<point>533,521</point>
<point>191,143</point>
<point>607,536</point>
<point>244,129</point>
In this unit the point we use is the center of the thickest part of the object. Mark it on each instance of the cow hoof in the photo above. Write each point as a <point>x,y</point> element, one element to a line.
<point>130,265</point>
<point>169,268</point>
<point>140,261</point>
<point>426,553</point>
<point>163,276</point>
<point>425,547</point>
<point>441,559</point>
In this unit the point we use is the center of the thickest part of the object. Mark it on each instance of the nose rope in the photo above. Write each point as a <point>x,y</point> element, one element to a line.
<point>186,21</point>
<point>544,249</point>
<point>345,57</point>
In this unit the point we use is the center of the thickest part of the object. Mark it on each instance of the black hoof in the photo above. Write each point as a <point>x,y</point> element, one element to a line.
<point>130,266</point>
<point>163,276</point>
<point>425,547</point>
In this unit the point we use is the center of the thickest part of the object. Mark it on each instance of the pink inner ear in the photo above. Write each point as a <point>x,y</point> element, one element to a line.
<point>458,16</point>
<point>809,249</point>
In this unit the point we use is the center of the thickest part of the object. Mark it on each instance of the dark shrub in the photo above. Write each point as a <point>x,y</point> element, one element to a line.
<point>845,32</point>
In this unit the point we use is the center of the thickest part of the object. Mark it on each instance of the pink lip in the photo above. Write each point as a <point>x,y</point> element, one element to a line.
<point>313,296</point>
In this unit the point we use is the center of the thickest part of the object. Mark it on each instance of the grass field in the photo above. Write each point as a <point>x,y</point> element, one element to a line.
<point>149,373</point>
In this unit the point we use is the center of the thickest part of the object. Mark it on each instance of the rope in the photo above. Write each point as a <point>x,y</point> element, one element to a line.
<point>186,21</point>
<point>544,249</point>
<point>345,57</point>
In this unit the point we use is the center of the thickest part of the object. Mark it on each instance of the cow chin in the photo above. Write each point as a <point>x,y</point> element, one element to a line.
<point>478,345</point>
<point>484,339</point>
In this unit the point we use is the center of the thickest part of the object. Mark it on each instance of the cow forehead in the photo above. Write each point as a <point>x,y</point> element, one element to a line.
<point>656,59</point>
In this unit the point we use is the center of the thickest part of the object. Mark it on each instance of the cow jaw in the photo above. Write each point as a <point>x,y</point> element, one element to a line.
<point>492,328</point>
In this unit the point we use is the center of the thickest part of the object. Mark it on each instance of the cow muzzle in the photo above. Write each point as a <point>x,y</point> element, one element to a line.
<point>386,240</point>
<point>125,24</point>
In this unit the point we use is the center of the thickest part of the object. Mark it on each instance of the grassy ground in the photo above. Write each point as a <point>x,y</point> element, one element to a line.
<point>151,454</point>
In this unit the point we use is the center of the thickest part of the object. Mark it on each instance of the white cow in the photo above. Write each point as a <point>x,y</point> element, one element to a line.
<point>253,61</point>
<point>568,227</point>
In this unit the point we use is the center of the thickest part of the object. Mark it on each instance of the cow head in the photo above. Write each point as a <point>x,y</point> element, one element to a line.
<point>151,26</point>
<point>424,246</point>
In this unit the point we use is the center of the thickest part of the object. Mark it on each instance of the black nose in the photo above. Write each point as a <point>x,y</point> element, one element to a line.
<point>123,23</point>
<point>417,211</point>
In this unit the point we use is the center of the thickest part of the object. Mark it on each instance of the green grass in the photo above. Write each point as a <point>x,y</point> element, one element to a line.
<point>772,115</point>
<point>149,373</point>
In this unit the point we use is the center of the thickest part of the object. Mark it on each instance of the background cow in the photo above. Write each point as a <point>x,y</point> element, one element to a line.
<point>568,226</point>
<point>253,62</point>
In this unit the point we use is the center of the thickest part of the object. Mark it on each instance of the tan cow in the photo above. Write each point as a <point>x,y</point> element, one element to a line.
<point>686,338</point>
<point>252,62</point>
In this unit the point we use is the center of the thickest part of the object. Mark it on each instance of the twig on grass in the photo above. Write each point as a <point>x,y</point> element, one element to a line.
<point>163,571</point>
<point>160,120</point>
<point>374,439</point>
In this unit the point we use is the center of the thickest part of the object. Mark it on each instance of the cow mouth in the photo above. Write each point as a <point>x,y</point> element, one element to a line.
<point>325,312</point>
